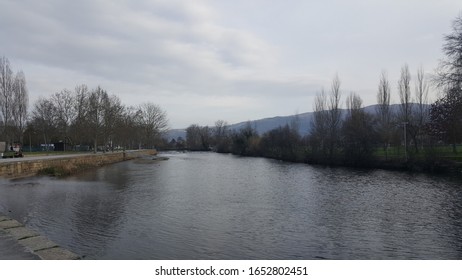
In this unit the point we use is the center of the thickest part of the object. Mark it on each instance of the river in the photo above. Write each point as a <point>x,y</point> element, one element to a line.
<point>215,206</point>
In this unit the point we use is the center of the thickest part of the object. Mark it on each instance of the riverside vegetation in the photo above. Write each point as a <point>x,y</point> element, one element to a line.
<point>78,120</point>
<point>417,136</point>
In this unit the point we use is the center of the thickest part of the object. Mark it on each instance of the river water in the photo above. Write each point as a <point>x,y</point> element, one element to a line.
<point>214,206</point>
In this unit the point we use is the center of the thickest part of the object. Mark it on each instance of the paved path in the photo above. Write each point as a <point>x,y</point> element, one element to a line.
<point>51,155</point>
<point>29,158</point>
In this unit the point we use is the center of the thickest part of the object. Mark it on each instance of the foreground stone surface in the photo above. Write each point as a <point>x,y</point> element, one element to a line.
<point>33,242</point>
<point>10,249</point>
<point>5,224</point>
<point>4,218</point>
<point>56,254</point>
<point>21,233</point>
<point>37,243</point>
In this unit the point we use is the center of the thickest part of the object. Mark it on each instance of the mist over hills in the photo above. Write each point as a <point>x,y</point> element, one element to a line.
<point>303,121</point>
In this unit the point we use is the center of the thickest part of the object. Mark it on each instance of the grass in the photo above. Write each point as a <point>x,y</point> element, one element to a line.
<point>439,151</point>
<point>54,171</point>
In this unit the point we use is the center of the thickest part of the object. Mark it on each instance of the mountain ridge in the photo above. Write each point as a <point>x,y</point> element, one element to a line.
<point>303,120</point>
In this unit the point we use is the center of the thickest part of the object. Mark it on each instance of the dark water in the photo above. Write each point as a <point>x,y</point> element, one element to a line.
<point>211,206</point>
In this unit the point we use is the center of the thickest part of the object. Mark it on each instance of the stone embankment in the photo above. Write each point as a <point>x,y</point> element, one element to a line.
<point>64,164</point>
<point>33,242</point>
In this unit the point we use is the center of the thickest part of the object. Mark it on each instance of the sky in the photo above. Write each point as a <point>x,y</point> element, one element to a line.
<point>203,60</point>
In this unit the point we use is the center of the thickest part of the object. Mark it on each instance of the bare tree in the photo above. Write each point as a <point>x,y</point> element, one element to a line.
<point>221,136</point>
<point>20,104</point>
<point>283,142</point>
<point>128,130</point>
<point>334,116</point>
<point>246,141</point>
<point>404,91</point>
<point>6,94</point>
<point>325,132</point>
<point>422,112</point>
<point>358,133</point>
<point>384,115</point>
<point>112,112</point>
<point>153,120</point>
<point>102,114</point>
<point>446,118</point>
<point>95,115</point>
<point>64,102</point>
<point>405,113</point>
<point>43,117</point>
<point>354,104</point>
<point>193,137</point>
<point>449,73</point>
<point>319,126</point>
<point>220,129</point>
<point>79,127</point>
<point>446,112</point>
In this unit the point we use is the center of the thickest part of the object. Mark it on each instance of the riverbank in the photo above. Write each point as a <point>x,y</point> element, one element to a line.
<point>64,164</point>
<point>428,165</point>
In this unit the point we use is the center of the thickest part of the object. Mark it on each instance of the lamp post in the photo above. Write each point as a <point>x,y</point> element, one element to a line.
<point>405,141</point>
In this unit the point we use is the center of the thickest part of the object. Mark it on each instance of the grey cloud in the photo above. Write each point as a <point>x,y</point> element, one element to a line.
<point>221,50</point>
<point>132,43</point>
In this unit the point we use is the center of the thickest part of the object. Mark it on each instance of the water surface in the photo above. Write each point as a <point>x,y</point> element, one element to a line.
<point>212,206</point>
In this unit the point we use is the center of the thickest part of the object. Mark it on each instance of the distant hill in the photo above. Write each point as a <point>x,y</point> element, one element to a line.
<point>304,122</point>
<point>175,134</point>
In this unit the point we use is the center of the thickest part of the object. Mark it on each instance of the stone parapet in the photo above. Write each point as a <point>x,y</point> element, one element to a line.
<point>25,167</point>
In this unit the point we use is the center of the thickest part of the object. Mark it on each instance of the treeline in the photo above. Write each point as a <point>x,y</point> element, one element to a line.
<point>358,137</point>
<point>80,119</point>
<point>412,131</point>
<point>93,118</point>
<point>347,137</point>
<point>416,133</point>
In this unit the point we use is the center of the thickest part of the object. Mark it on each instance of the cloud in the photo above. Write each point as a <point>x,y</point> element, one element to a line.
<point>162,48</point>
<point>136,43</point>
<point>252,57</point>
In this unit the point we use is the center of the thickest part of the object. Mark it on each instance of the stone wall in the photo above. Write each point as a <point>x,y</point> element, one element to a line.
<point>70,164</point>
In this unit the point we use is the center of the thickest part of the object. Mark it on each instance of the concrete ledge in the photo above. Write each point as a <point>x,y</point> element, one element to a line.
<point>6,224</point>
<point>56,254</point>
<point>38,245</point>
<point>4,218</point>
<point>21,232</point>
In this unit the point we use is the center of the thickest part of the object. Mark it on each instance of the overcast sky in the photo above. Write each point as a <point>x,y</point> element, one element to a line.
<point>233,60</point>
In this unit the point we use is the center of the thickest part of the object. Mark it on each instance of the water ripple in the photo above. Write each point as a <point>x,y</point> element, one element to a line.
<point>210,206</point>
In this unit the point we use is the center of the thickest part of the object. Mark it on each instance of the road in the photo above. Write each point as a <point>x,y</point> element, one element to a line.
<point>29,158</point>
